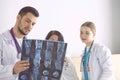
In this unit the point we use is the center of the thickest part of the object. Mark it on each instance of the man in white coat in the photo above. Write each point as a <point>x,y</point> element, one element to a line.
<point>11,41</point>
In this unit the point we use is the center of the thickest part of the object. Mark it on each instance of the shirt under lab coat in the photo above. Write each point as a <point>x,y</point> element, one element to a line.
<point>8,57</point>
<point>100,63</point>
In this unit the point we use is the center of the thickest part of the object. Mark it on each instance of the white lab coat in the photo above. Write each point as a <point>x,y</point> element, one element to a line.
<point>69,71</point>
<point>100,63</point>
<point>8,57</point>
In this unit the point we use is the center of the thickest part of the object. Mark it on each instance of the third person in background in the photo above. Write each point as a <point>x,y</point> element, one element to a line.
<point>96,63</point>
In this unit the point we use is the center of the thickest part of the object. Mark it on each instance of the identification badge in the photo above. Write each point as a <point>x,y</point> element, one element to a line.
<point>88,68</point>
<point>80,69</point>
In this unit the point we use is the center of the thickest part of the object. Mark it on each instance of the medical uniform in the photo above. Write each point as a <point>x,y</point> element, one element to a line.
<point>8,56</point>
<point>100,63</point>
<point>69,72</point>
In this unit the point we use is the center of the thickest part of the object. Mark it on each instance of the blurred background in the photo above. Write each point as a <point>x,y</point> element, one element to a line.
<point>67,16</point>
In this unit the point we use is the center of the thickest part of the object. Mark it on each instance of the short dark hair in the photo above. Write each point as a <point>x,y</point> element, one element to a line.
<point>55,32</point>
<point>27,9</point>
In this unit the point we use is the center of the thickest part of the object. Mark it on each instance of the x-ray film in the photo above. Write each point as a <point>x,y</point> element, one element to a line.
<point>46,59</point>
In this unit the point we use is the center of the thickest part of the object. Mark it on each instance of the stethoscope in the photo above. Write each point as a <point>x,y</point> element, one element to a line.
<point>86,57</point>
<point>19,49</point>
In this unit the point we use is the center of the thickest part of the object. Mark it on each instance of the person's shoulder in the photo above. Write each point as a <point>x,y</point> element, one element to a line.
<point>101,47</point>
<point>6,35</point>
<point>101,50</point>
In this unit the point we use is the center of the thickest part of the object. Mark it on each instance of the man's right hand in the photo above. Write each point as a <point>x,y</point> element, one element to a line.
<point>20,66</point>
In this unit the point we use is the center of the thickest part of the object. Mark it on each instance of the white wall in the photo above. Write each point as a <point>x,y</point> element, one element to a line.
<point>115,11</point>
<point>65,16</point>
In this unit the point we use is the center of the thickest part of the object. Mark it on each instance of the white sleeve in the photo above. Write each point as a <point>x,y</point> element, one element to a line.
<point>6,71</point>
<point>105,60</point>
<point>69,71</point>
<point>73,69</point>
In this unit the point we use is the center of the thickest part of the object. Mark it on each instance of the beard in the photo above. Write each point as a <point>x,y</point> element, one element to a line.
<point>21,31</point>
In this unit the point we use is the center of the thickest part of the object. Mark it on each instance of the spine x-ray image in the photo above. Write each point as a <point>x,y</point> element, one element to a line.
<point>46,59</point>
